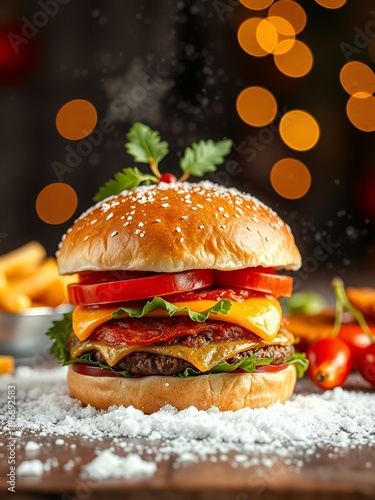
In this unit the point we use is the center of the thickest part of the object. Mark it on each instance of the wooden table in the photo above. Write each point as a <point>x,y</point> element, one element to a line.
<point>348,476</point>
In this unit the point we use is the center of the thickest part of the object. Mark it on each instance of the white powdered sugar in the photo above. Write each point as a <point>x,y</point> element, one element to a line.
<point>338,420</point>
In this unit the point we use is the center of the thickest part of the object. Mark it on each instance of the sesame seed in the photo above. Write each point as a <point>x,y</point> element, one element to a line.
<point>114,233</point>
<point>157,220</point>
<point>130,217</point>
<point>221,209</point>
<point>249,228</point>
<point>201,226</point>
<point>125,224</point>
<point>85,238</point>
<point>182,240</point>
<point>165,205</point>
<point>141,224</point>
<point>226,216</point>
<point>199,205</point>
<point>237,216</point>
<point>109,216</point>
<point>122,217</point>
<point>223,226</point>
<point>178,229</point>
<point>93,221</point>
<point>137,231</point>
<point>184,216</point>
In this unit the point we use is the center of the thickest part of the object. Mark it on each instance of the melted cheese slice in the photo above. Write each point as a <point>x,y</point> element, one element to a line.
<point>260,315</point>
<point>204,358</point>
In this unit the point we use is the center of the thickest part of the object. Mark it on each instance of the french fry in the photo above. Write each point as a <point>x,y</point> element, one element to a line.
<point>11,300</point>
<point>54,294</point>
<point>6,365</point>
<point>22,260</point>
<point>35,283</point>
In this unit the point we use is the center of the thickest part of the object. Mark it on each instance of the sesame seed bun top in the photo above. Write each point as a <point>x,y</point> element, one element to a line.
<point>176,227</point>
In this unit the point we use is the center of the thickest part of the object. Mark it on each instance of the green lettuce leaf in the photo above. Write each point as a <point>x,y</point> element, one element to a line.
<point>299,360</point>
<point>222,307</point>
<point>247,364</point>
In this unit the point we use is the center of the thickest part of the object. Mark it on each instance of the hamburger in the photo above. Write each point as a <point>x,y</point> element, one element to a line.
<point>177,300</point>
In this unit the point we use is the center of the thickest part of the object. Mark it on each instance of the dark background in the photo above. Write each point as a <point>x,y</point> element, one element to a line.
<point>187,52</point>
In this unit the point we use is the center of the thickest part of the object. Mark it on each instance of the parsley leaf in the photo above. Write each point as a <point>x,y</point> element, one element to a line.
<point>222,306</point>
<point>59,332</point>
<point>203,156</point>
<point>128,178</point>
<point>145,144</point>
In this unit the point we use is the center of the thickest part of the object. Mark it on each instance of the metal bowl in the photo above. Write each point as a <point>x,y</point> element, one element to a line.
<point>23,335</point>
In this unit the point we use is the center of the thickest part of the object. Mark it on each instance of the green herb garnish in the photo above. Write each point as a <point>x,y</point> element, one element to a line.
<point>145,146</point>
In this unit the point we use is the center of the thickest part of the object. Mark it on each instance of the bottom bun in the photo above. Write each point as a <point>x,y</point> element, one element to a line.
<point>226,391</point>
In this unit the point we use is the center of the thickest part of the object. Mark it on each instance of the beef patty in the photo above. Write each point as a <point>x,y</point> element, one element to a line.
<point>181,331</point>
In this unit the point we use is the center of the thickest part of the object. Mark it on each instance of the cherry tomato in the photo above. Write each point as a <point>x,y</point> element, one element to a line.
<point>355,338</point>
<point>258,278</point>
<point>366,363</point>
<point>168,178</point>
<point>139,288</point>
<point>330,362</point>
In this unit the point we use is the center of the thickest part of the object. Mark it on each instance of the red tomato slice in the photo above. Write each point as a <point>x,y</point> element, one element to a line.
<point>89,277</point>
<point>259,279</point>
<point>265,369</point>
<point>93,371</point>
<point>139,288</point>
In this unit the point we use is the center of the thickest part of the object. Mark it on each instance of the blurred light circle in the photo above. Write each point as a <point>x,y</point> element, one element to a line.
<point>295,62</point>
<point>292,12</point>
<point>357,78</point>
<point>56,203</point>
<point>283,27</point>
<point>256,106</point>
<point>331,4</point>
<point>299,130</point>
<point>247,37</point>
<point>290,178</point>
<point>76,119</point>
<point>256,4</point>
<point>267,35</point>
<point>285,32</point>
<point>361,112</point>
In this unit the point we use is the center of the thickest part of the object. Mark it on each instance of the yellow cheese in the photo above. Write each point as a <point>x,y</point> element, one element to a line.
<point>204,358</point>
<point>260,315</point>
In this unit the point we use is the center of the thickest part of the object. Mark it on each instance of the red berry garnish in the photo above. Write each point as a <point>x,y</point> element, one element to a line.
<point>168,178</point>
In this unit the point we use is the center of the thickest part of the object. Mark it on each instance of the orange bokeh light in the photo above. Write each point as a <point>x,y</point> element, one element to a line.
<point>56,203</point>
<point>291,12</point>
<point>357,78</point>
<point>299,130</point>
<point>247,37</point>
<point>296,61</point>
<point>331,4</point>
<point>76,119</point>
<point>256,106</point>
<point>290,178</point>
<point>285,33</point>
<point>267,35</point>
<point>361,112</point>
<point>256,4</point>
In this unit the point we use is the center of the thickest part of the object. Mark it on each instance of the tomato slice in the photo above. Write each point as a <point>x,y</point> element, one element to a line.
<point>264,280</point>
<point>93,371</point>
<point>139,288</point>
<point>89,277</point>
